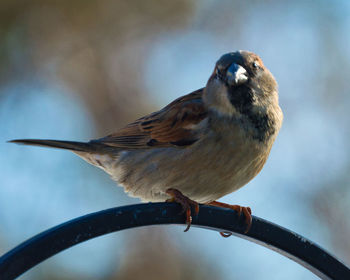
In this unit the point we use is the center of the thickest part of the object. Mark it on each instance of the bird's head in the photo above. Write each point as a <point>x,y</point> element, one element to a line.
<point>240,83</point>
<point>242,88</point>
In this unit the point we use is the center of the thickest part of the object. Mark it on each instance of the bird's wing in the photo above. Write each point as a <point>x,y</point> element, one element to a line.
<point>174,125</point>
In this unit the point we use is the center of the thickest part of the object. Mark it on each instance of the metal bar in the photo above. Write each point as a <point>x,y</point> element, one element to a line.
<point>50,242</point>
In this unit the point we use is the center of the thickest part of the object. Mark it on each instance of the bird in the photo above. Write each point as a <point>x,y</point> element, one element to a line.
<point>200,147</point>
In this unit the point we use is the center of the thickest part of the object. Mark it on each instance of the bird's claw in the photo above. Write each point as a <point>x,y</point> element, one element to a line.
<point>246,211</point>
<point>186,203</point>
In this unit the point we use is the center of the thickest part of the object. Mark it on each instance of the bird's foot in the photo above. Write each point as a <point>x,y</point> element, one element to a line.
<point>186,203</point>
<point>239,209</point>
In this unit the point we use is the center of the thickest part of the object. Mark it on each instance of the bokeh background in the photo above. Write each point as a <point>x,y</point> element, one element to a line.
<point>81,69</point>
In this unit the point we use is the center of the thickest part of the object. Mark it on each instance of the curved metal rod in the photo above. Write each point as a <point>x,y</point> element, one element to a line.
<point>50,242</point>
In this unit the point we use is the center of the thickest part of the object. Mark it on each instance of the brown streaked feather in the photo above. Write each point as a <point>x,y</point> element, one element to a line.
<point>171,126</point>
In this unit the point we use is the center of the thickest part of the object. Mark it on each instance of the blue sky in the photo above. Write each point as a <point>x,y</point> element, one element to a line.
<point>55,186</point>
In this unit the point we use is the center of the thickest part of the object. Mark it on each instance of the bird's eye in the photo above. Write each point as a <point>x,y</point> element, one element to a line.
<point>256,65</point>
<point>218,72</point>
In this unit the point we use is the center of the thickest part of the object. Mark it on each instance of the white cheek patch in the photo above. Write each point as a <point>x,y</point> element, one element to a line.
<point>216,98</point>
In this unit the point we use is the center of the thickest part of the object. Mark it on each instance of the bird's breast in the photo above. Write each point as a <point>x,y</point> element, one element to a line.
<point>216,165</point>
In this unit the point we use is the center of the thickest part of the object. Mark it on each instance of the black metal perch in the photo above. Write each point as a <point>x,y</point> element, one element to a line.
<point>50,242</point>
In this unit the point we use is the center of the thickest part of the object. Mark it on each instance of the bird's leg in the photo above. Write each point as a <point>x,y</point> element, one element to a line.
<point>186,203</point>
<point>239,209</point>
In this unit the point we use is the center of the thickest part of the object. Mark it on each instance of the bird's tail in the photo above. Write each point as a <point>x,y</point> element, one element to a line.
<point>68,145</point>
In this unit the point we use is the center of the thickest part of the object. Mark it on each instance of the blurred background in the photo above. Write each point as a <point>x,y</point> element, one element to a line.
<point>79,70</point>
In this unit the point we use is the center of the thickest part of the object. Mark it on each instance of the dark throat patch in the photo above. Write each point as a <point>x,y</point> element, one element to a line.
<point>242,99</point>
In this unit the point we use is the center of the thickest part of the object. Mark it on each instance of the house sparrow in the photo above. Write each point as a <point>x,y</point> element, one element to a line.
<point>198,148</point>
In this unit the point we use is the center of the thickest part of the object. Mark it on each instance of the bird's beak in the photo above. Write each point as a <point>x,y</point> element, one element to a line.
<point>236,75</point>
